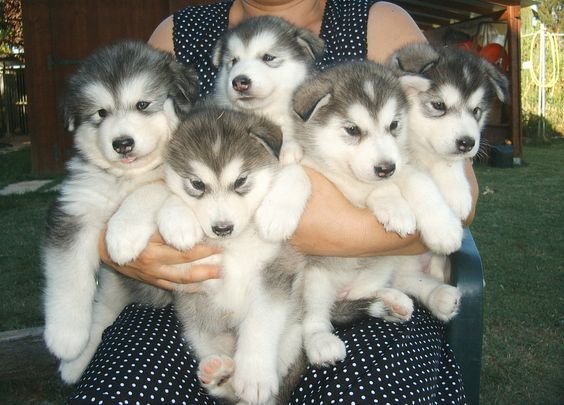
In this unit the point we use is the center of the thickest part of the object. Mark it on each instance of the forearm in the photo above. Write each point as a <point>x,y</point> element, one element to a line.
<point>332,226</point>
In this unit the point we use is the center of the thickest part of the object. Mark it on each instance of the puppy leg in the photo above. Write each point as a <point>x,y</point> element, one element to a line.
<point>321,345</point>
<point>110,300</point>
<point>454,187</point>
<point>178,224</point>
<point>133,224</point>
<point>280,211</point>
<point>69,292</point>
<point>391,209</point>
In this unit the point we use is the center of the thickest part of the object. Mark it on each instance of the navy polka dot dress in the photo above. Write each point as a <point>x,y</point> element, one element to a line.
<point>143,358</point>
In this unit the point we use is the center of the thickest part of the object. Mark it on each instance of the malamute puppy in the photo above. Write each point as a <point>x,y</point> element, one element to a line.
<point>261,62</point>
<point>450,92</point>
<point>122,106</point>
<point>352,127</point>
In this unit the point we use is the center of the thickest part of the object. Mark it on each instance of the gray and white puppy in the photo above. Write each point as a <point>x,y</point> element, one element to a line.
<point>351,123</point>
<point>121,106</point>
<point>261,62</point>
<point>450,92</point>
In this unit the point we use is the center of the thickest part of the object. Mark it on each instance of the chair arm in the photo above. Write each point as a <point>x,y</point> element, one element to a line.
<point>465,331</point>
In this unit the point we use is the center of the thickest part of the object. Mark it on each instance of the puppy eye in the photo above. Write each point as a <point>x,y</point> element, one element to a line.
<point>234,61</point>
<point>142,105</point>
<point>102,113</point>
<point>198,185</point>
<point>268,58</point>
<point>352,130</point>
<point>477,112</point>
<point>438,105</point>
<point>394,125</point>
<point>240,182</point>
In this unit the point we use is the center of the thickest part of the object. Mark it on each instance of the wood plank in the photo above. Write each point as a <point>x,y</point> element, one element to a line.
<point>23,355</point>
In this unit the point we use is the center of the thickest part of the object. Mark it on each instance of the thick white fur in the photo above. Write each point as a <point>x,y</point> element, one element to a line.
<point>93,191</point>
<point>272,87</point>
<point>266,344</point>
<point>406,201</point>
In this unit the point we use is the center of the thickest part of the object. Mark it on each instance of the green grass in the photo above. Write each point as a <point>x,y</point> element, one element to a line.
<point>519,230</point>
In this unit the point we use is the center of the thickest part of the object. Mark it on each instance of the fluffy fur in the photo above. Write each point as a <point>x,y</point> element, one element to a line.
<point>261,62</point>
<point>352,127</point>
<point>121,106</point>
<point>450,92</point>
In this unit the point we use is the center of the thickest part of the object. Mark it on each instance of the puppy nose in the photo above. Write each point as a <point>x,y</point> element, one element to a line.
<point>241,83</point>
<point>385,169</point>
<point>222,229</point>
<point>465,144</point>
<point>123,144</point>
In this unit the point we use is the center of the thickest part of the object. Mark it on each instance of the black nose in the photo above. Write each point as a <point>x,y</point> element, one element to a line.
<point>123,144</point>
<point>465,144</point>
<point>385,170</point>
<point>241,83</point>
<point>222,229</point>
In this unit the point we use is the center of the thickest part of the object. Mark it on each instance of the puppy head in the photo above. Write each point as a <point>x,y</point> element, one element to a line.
<point>351,120</point>
<point>262,60</point>
<point>221,163</point>
<point>123,104</point>
<point>450,93</point>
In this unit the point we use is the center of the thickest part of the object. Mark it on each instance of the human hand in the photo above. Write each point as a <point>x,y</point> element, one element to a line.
<point>165,267</point>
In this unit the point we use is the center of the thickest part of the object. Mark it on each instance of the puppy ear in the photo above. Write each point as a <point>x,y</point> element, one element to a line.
<point>268,134</point>
<point>312,44</point>
<point>413,59</point>
<point>412,84</point>
<point>497,79</point>
<point>311,96</point>
<point>186,87</point>
<point>217,53</point>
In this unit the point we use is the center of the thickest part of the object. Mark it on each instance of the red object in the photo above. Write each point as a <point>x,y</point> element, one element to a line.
<point>497,55</point>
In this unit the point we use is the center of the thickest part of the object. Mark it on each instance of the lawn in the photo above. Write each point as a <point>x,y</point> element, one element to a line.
<point>519,230</point>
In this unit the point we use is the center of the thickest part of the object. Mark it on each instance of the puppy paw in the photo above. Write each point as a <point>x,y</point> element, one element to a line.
<point>324,348</point>
<point>444,301</point>
<point>178,225</point>
<point>393,306</point>
<point>394,213</point>
<point>214,371</point>
<point>66,341</point>
<point>291,152</point>
<point>280,211</point>
<point>125,241</point>
<point>442,233</point>
<point>460,203</point>
<point>71,371</point>
<point>254,380</point>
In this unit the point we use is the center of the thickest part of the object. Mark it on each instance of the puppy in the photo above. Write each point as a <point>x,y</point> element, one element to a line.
<point>121,106</point>
<point>261,62</point>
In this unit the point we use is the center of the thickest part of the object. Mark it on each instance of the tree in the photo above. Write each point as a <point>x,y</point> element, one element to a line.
<point>551,14</point>
<point>11,26</point>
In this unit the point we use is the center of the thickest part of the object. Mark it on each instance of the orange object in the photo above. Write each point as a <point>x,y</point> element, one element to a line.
<point>497,55</point>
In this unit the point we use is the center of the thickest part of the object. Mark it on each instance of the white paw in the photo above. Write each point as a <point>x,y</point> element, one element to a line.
<point>395,306</point>
<point>66,341</point>
<point>461,204</point>
<point>291,152</point>
<point>394,213</point>
<point>179,227</point>
<point>125,241</point>
<point>280,211</point>
<point>254,380</point>
<point>214,371</point>
<point>324,348</point>
<point>71,371</point>
<point>443,302</point>
<point>442,233</point>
